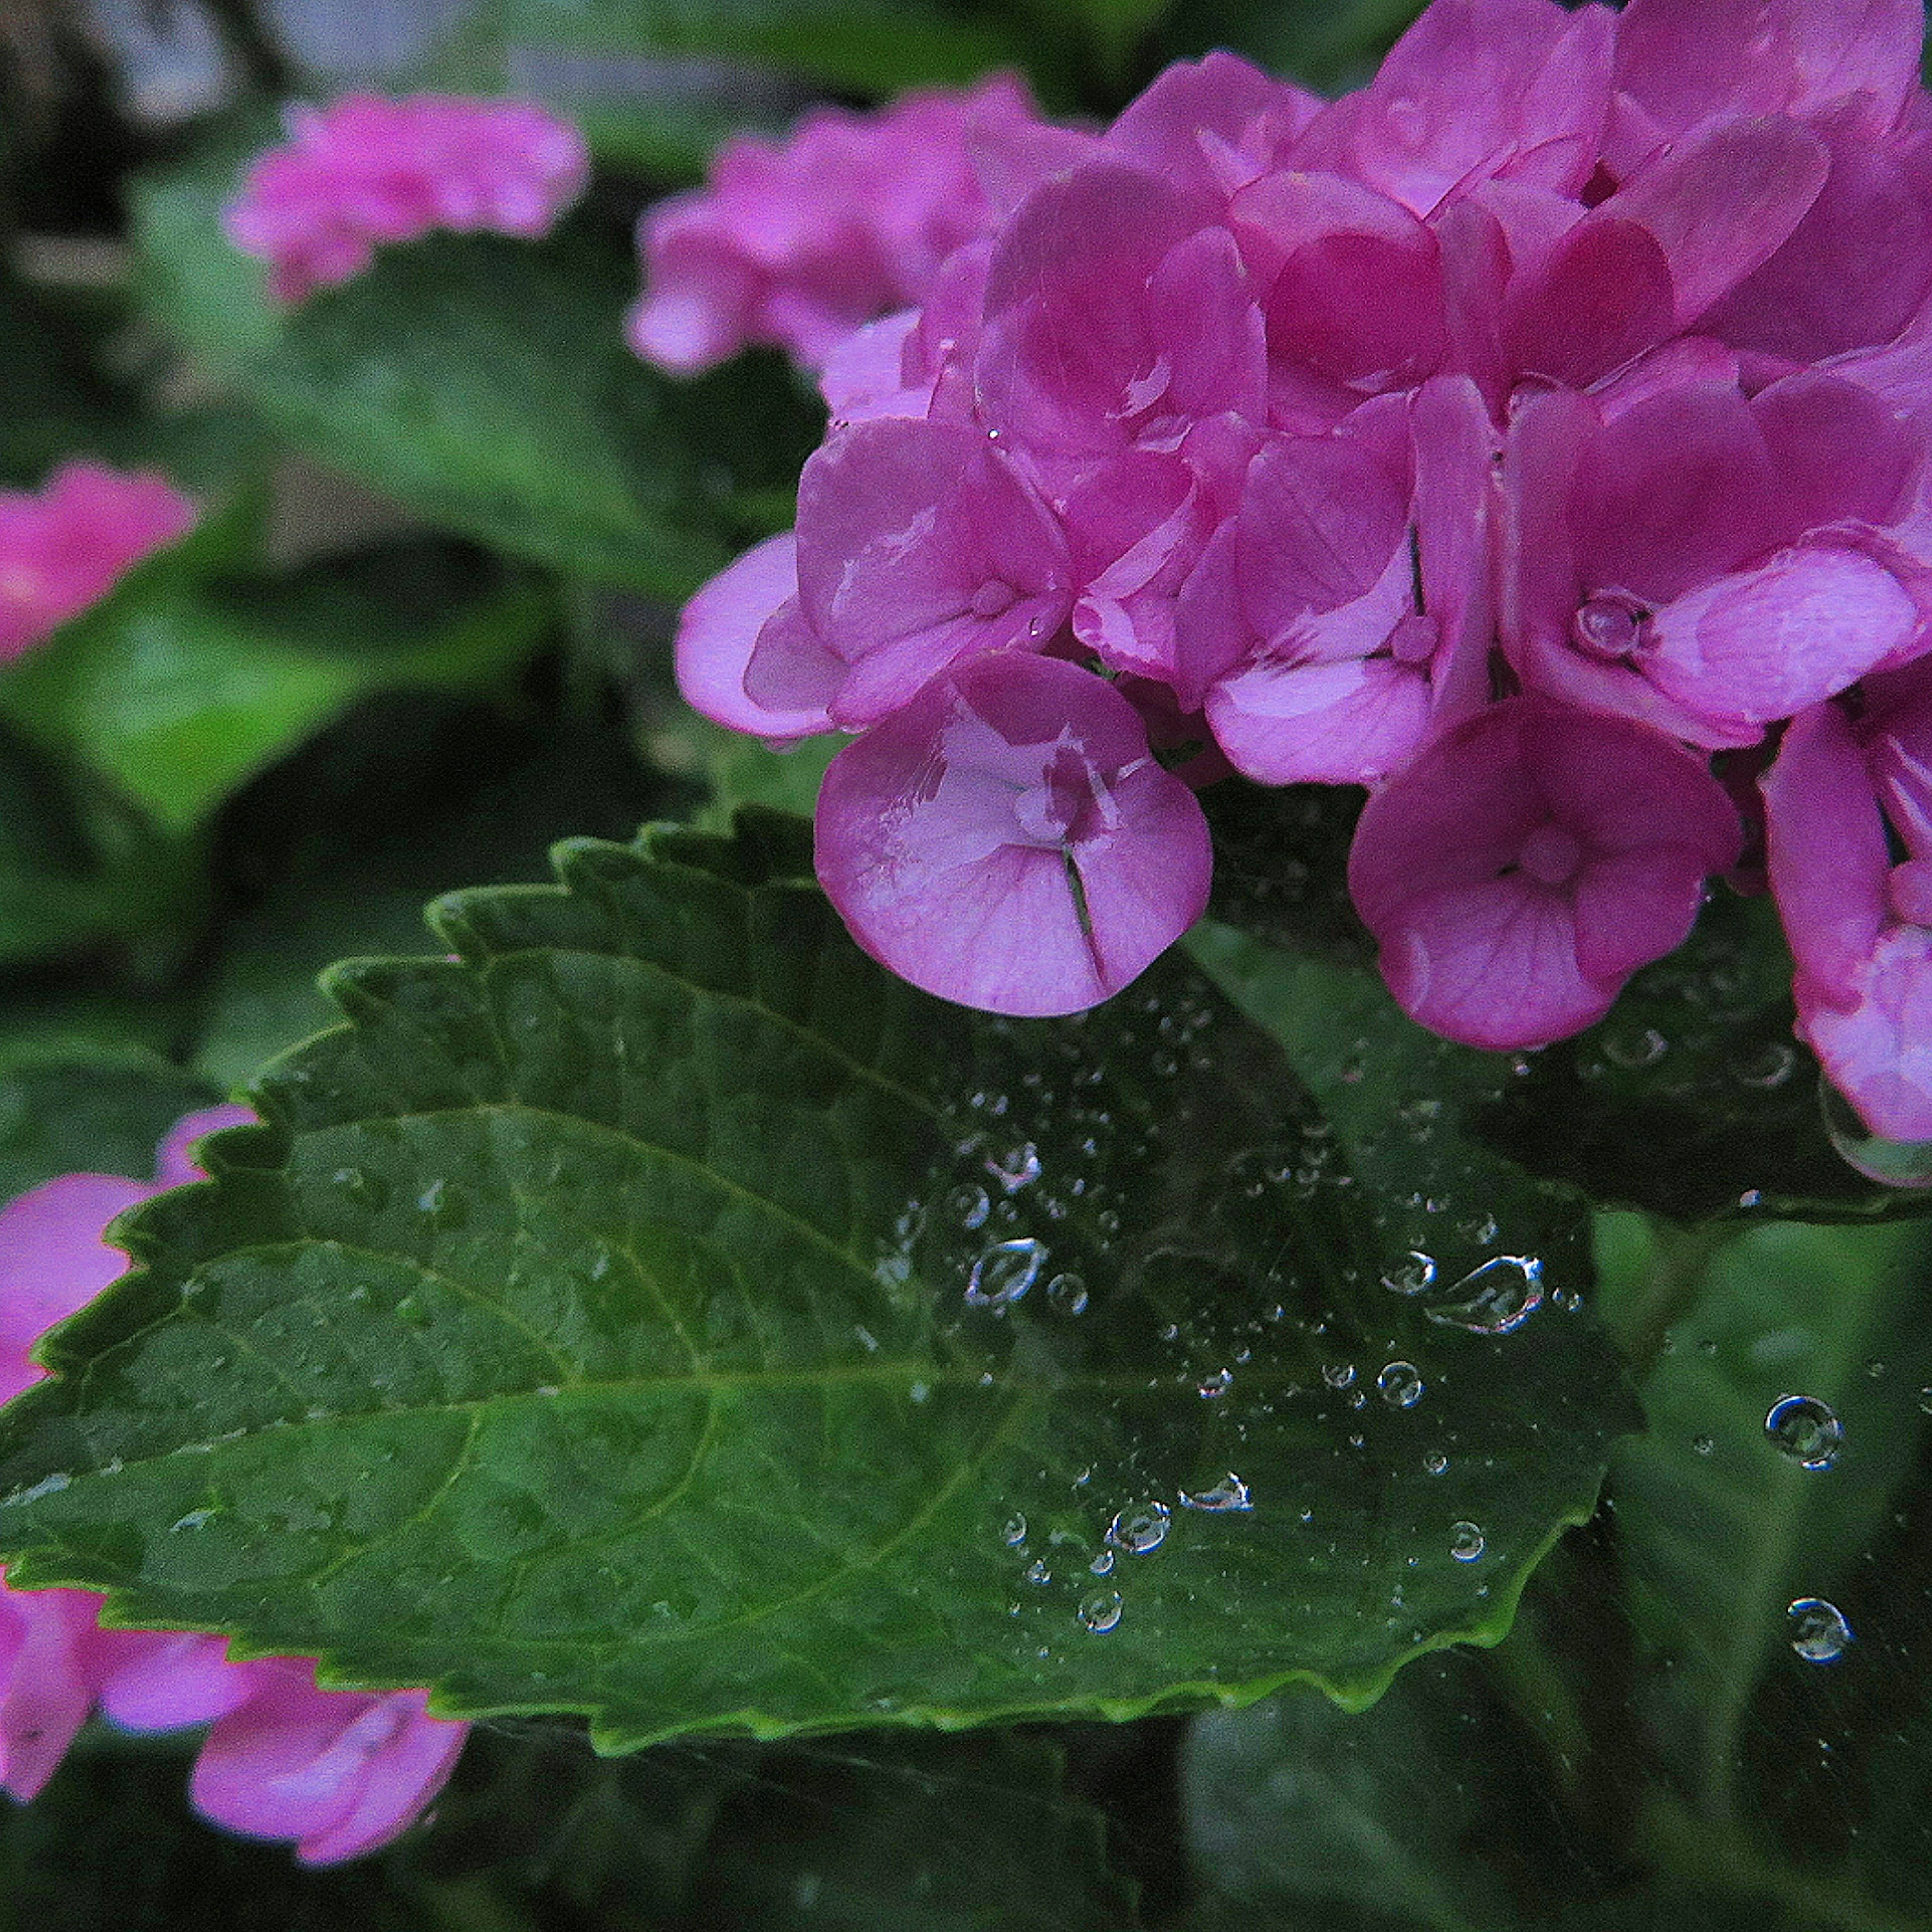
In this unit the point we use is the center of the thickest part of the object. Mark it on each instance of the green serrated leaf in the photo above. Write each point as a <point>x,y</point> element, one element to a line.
<point>181,689</point>
<point>486,383</point>
<point>656,1311</point>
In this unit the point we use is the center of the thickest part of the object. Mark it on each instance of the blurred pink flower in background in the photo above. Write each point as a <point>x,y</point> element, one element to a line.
<point>336,1772</point>
<point>365,171</point>
<point>64,546</point>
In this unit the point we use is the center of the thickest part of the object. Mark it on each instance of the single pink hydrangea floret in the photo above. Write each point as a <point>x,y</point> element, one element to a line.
<point>1007,840</point>
<point>365,171</point>
<point>1531,859</point>
<point>337,1773</point>
<point>64,547</point>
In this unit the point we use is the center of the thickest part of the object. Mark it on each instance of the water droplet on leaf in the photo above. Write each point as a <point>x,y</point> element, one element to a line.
<point>1140,1528</point>
<point>1414,1274</point>
<point>1102,1611</point>
<point>1068,1293</point>
<point>1497,1298</point>
<point>1015,1533</point>
<point>1005,1272</point>
<point>1806,1430</point>
<point>1229,1493</point>
<point>1819,1634</point>
<point>1466,1542</point>
<point>1401,1385</point>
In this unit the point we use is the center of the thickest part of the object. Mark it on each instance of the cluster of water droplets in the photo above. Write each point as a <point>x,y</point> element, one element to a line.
<point>1808,1432</point>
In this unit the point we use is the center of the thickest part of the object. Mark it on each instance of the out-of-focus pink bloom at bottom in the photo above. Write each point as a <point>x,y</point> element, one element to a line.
<point>64,546</point>
<point>339,1772</point>
<point>1531,859</point>
<point>1007,840</point>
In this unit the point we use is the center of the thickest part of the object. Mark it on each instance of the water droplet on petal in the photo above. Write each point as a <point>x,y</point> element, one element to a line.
<point>1466,1542</point>
<point>1819,1634</point>
<point>1140,1528</point>
<point>1805,1430</point>
<point>1497,1298</point>
<point>1015,1533</point>
<point>1416,1273</point>
<point>1101,1611</point>
<point>1229,1493</point>
<point>1005,1272</point>
<point>1401,1385</point>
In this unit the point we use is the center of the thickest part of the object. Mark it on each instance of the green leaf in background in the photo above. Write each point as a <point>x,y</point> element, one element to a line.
<point>1328,44</point>
<point>1420,1813</point>
<point>97,1112</point>
<point>181,689</point>
<point>658,84</point>
<point>80,869</point>
<point>658,1312</point>
<point>484,794</point>
<point>486,384</point>
<point>1721,1525</point>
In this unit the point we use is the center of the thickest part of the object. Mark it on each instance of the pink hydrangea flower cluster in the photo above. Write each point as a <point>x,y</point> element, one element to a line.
<point>336,1772</point>
<point>65,546</point>
<point>365,170</point>
<point>1514,437</point>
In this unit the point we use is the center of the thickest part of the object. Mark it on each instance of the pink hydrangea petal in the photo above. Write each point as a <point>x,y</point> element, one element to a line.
<point>1494,966</point>
<point>338,1772</point>
<point>1603,297</point>
<point>718,631</point>
<point>1355,280</point>
<point>1350,722</point>
<point>166,1680</point>
<point>1723,202</point>
<point>1528,860</point>
<point>1458,506</point>
<point>1211,126</point>
<point>45,1687</point>
<point>1686,59</point>
<point>1767,642</point>
<point>1876,1047</point>
<point>1826,846</point>
<point>1475,88</point>
<point>52,1261</point>
<point>948,835</point>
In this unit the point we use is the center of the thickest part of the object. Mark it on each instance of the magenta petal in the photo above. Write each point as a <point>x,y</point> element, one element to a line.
<point>1724,202</point>
<point>1877,1049</point>
<point>718,631</point>
<point>1351,722</point>
<point>1527,862</point>
<point>176,1165</point>
<point>1603,297</point>
<point>340,1772</point>
<point>164,1680</point>
<point>1766,643</point>
<point>52,1261</point>
<point>1826,849</point>
<point>1355,281</point>
<point>948,836</point>
<point>45,1686</point>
